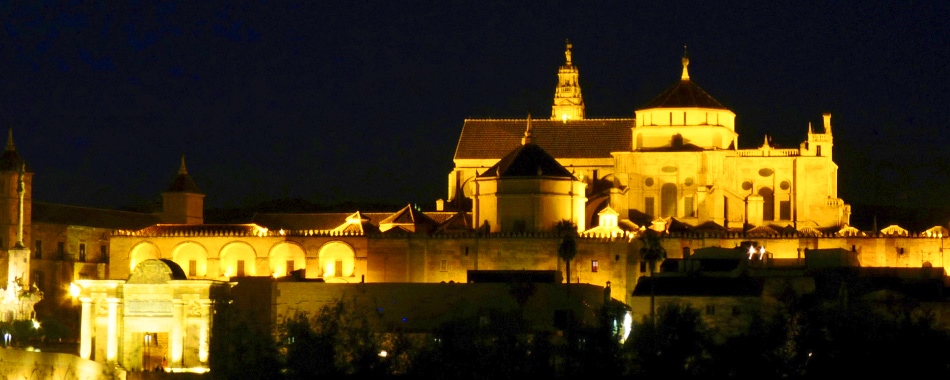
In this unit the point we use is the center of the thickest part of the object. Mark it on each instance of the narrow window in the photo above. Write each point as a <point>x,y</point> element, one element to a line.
<point>594,266</point>
<point>288,267</point>
<point>818,150</point>
<point>710,309</point>
<point>38,254</point>
<point>688,207</point>
<point>443,266</point>
<point>338,268</point>
<point>82,252</point>
<point>192,268</point>
<point>648,206</point>
<point>103,254</point>
<point>735,311</point>
<point>60,249</point>
<point>785,210</point>
<point>240,268</point>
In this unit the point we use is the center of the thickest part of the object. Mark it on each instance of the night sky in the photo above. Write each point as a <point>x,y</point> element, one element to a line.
<point>364,101</point>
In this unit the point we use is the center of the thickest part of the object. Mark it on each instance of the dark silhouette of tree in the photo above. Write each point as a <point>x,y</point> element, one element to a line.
<point>679,346</point>
<point>568,248</point>
<point>652,252</point>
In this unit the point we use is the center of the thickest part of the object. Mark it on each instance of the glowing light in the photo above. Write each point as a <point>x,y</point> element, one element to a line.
<point>627,326</point>
<point>383,354</point>
<point>36,324</point>
<point>74,289</point>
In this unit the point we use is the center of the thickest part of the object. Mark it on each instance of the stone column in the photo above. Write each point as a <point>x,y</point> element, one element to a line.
<point>177,336</point>
<point>112,340</point>
<point>204,326</point>
<point>86,328</point>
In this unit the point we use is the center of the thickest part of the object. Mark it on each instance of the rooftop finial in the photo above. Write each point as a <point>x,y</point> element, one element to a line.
<point>685,64</point>
<point>182,169</point>
<point>567,53</point>
<point>10,146</point>
<point>527,132</point>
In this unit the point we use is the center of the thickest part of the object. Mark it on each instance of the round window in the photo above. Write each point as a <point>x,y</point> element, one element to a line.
<point>689,181</point>
<point>747,185</point>
<point>648,182</point>
<point>784,185</point>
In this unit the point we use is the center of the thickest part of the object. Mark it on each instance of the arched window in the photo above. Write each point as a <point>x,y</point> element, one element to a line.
<point>668,200</point>
<point>142,252</point>
<point>238,260</point>
<point>286,258</point>
<point>337,259</point>
<point>192,258</point>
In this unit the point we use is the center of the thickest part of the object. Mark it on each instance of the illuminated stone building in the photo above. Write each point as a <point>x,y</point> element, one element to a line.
<point>675,166</point>
<point>678,158</point>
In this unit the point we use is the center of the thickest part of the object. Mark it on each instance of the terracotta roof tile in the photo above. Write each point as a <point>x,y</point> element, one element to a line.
<point>589,138</point>
<point>91,217</point>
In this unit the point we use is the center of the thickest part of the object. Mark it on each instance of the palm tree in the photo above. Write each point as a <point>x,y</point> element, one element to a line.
<point>652,251</point>
<point>568,248</point>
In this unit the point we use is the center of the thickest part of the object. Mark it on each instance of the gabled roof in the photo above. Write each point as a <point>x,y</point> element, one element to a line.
<point>311,221</point>
<point>528,160</point>
<point>91,217</point>
<point>588,138</point>
<point>459,222</point>
<point>408,219</point>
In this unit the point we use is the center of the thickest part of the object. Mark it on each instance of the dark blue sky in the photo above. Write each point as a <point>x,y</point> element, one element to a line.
<point>364,101</point>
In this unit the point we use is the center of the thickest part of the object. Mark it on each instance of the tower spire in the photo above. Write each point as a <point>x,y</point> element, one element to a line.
<point>10,146</point>
<point>685,64</point>
<point>182,169</point>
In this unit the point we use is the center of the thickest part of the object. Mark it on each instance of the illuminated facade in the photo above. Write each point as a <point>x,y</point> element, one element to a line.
<point>155,318</point>
<point>678,158</point>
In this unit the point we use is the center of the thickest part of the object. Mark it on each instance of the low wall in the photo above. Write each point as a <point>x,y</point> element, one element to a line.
<point>25,365</point>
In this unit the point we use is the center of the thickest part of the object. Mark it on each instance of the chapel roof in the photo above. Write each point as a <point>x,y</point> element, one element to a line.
<point>528,160</point>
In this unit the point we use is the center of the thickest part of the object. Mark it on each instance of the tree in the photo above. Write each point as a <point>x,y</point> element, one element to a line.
<point>652,251</point>
<point>568,249</point>
<point>680,345</point>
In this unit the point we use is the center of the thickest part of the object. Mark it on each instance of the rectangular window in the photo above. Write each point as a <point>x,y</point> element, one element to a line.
<point>785,210</point>
<point>443,266</point>
<point>38,250</point>
<point>688,210</point>
<point>82,252</point>
<point>648,206</point>
<point>240,268</point>
<point>338,268</point>
<point>594,266</point>
<point>192,268</point>
<point>710,309</point>
<point>643,266</point>
<point>735,311</point>
<point>289,267</point>
<point>60,249</point>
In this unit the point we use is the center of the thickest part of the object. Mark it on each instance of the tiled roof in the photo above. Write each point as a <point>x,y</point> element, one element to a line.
<point>198,230</point>
<point>312,221</point>
<point>91,217</point>
<point>409,216</point>
<point>588,138</point>
<point>183,184</point>
<point>684,94</point>
<point>528,160</point>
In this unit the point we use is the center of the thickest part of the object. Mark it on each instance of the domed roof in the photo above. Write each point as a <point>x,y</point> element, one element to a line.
<point>528,160</point>
<point>684,94</point>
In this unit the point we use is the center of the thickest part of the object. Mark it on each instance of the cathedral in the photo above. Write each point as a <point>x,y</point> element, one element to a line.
<point>675,167</point>
<point>677,159</point>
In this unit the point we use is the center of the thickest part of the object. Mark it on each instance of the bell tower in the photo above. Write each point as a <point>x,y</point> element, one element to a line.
<point>16,189</point>
<point>183,203</point>
<point>568,102</point>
